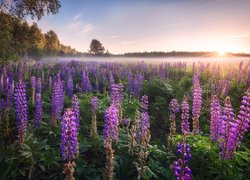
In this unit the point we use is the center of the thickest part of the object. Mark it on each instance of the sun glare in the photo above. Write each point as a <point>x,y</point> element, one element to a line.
<point>221,53</point>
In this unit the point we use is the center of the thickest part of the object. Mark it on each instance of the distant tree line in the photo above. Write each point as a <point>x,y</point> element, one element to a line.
<point>168,54</point>
<point>18,39</point>
<point>179,54</point>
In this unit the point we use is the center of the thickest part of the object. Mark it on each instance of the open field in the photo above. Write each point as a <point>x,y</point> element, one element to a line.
<point>98,119</point>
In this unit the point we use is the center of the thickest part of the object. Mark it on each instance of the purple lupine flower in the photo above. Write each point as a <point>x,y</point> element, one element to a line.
<point>96,84</point>
<point>116,95</point>
<point>136,88</point>
<point>227,85</point>
<point>76,110</point>
<point>213,88</point>
<point>111,80</point>
<point>39,85</point>
<point>9,93</point>
<point>144,103</point>
<point>243,120</point>
<point>21,109</point>
<point>103,75</point>
<point>137,85</point>
<point>38,111</point>
<point>174,106</point>
<point>19,71</point>
<point>161,72</point>
<point>181,169</point>
<point>1,83</point>
<point>33,87</point>
<point>94,104</point>
<point>86,86</point>
<point>33,82</point>
<point>110,131</point>
<point>185,116</point>
<point>220,88</point>
<point>227,122</point>
<point>69,88</point>
<point>215,119</point>
<point>69,144</point>
<point>57,99</point>
<point>197,99</point>
<point>197,95</point>
<point>143,126</point>
<point>125,121</point>
<point>144,123</point>
<point>130,82</point>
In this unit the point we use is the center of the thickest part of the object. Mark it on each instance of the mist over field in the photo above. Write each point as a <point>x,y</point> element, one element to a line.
<point>150,60</point>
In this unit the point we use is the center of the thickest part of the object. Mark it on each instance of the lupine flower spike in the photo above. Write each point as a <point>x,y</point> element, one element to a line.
<point>243,119</point>
<point>21,110</point>
<point>197,99</point>
<point>33,88</point>
<point>185,116</point>
<point>215,119</point>
<point>94,108</point>
<point>116,98</point>
<point>76,109</point>
<point>110,133</point>
<point>181,169</point>
<point>174,108</point>
<point>39,110</point>
<point>228,120</point>
<point>143,137</point>
<point>69,145</point>
<point>57,100</point>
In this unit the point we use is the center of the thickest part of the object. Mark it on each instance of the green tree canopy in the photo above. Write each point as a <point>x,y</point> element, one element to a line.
<point>34,8</point>
<point>52,44</point>
<point>20,40</point>
<point>96,47</point>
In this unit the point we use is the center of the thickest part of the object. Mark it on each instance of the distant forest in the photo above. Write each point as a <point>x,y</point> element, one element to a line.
<point>179,53</point>
<point>19,40</point>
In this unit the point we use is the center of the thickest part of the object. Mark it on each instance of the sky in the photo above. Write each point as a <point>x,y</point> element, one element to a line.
<point>153,25</point>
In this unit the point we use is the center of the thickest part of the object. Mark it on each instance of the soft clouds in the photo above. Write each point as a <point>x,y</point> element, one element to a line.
<point>79,27</point>
<point>238,36</point>
<point>126,43</point>
<point>114,36</point>
<point>87,28</point>
<point>75,25</point>
<point>76,17</point>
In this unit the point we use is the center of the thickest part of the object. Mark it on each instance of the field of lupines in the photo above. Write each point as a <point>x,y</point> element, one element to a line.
<point>105,120</point>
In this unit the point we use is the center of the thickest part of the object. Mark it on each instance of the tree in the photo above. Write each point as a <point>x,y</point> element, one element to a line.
<point>34,8</point>
<point>52,44</point>
<point>21,37</point>
<point>37,41</point>
<point>96,47</point>
<point>7,51</point>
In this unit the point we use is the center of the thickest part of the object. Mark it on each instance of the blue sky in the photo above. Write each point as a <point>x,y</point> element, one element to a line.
<point>156,25</point>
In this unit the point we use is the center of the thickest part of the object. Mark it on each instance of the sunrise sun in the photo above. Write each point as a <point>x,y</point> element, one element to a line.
<point>221,52</point>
